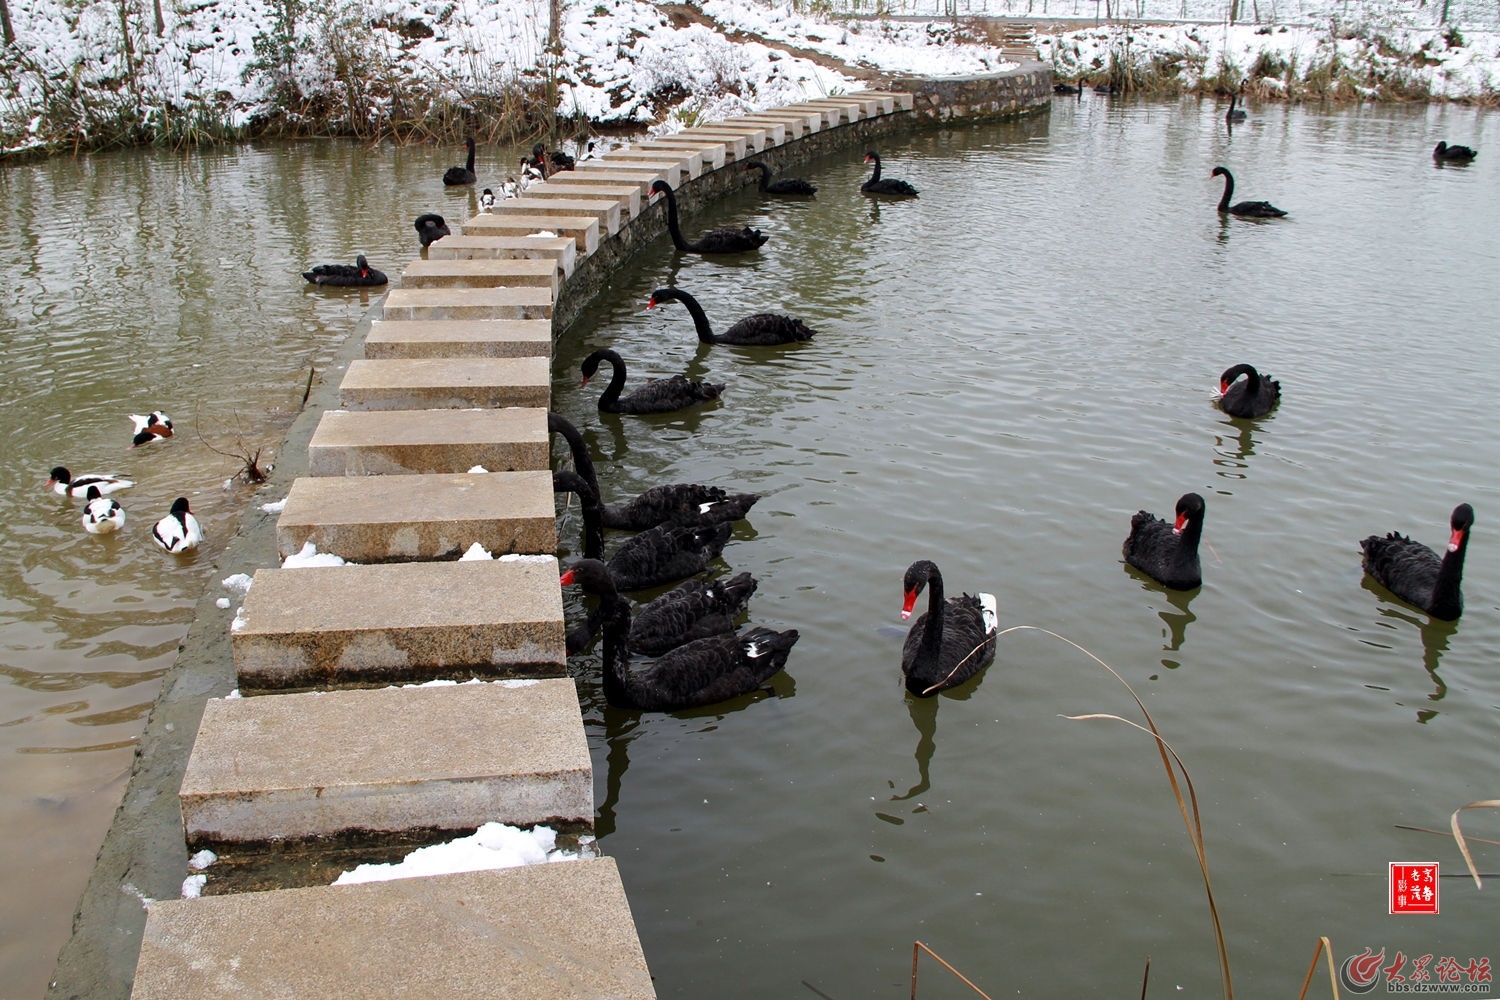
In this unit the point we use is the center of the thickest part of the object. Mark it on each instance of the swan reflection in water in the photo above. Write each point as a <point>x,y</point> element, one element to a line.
<point>923,712</point>
<point>1435,634</point>
<point>1175,623</point>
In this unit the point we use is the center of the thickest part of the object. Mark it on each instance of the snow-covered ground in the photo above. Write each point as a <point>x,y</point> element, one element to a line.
<point>68,77</point>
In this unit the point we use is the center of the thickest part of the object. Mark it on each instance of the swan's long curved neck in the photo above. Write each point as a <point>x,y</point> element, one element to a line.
<point>615,611</point>
<point>593,518</point>
<point>469,163</point>
<point>932,632</point>
<point>876,175</point>
<point>582,461</point>
<point>1228,192</point>
<point>764,172</point>
<point>700,318</point>
<point>612,391</point>
<point>1446,598</point>
<point>672,226</point>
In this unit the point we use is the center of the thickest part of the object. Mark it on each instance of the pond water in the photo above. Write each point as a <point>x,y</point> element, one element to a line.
<point>1005,370</point>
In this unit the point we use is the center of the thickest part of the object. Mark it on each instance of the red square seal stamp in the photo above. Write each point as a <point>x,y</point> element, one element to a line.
<point>1413,887</point>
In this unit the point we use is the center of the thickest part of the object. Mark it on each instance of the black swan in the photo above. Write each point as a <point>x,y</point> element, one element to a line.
<point>1168,552</point>
<point>1413,572</point>
<point>667,553</point>
<point>552,162</point>
<point>888,185</point>
<point>1067,88</point>
<point>690,611</point>
<point>713,241</point>
<point>759,330</point>
<point>951,641</point>
<point>1256,396</point>
<point>464,174</point>
<point>430,228</point>
<point>659,395</point>
<point>782,185</point>
<point>679,502</point>
<point>1453,154</point>
<point>1247,209</point>
<point>358,273</point>
<point>1235,114</point>
<point>179,531</point>
<point>702,672</point>
<point>64,482</point>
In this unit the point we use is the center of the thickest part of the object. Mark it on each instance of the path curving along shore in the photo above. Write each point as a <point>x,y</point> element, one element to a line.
<point>322,764</point>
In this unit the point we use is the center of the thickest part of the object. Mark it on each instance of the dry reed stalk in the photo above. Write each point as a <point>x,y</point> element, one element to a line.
<point>1458,835</point>
<point>917,948</point>
<point>1191,817</point>
<point>1325,948</point>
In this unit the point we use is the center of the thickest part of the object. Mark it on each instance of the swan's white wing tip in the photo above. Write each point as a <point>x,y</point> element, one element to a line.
<point>987,609</point>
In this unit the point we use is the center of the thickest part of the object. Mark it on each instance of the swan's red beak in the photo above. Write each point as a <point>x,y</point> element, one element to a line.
<point>584,382</point>
<point>565,579</point>
<point>1181,523</point>
<point>1223,388</point>
<point>651,302</point>
<point>908,604</point>
<point>1456,539</point>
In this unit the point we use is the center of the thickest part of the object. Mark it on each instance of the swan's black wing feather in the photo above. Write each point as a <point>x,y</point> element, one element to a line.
<point>968,647</point>
<point>679,502</point>
<point>1239,401</point>
<point>729,241</point>
<point>694,610</point>
<point>1154,549</point>
<point>666,553</point>
<point>664,395</point>
<point>791,185</point>
<point>1256,210</point>
<point>764,329</point>
<point>1402,565</point>
<point>711,670</point>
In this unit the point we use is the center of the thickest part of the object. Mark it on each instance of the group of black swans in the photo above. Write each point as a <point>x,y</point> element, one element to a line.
<point>701,656</point>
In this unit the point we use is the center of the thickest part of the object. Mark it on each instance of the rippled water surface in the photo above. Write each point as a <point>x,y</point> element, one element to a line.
<point>1005,370</point>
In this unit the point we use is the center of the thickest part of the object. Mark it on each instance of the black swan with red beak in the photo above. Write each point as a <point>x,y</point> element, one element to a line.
<point>1165,551</point>
<point>715,241</point>
<point>951,641</point>
<point>1414,573</point>
<point>1255,396</point>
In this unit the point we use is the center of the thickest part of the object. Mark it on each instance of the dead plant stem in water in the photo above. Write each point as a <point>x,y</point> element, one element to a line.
<point>1188,807</point>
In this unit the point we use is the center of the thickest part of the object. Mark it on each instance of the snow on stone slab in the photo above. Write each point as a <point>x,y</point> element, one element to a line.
<point>494,845</point>
<point>310,556</point>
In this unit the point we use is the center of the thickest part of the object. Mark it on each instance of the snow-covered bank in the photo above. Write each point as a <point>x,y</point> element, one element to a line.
<point>359,66</point>
<point>1295,62</point>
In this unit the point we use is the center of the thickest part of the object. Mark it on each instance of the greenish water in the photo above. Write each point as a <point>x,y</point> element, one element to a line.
<point>1005,370</point>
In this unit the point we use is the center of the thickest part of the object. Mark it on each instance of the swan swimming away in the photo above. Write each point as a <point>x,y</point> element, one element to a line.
<point>715,241</point>
<point>888,185</point>
<point>757,330</point>
<point>659,395</point>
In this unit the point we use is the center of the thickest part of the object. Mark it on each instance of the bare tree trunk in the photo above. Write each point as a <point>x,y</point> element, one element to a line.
<point>161,25</point>
<point>554,26</point>
<point>6,30</point>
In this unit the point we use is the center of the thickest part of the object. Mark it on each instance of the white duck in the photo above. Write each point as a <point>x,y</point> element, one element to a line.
<point>486,201</point>
<point>179,531</point>
<point>68,485</point>
<point>102,515</point>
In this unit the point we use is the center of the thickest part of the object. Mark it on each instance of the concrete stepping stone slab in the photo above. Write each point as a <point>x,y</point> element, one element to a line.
<point>483,338</point>
<point>514,220</point>
<point>482,273</point>
<point>374,519</point>
<point>468,303</point>
<point>606,210</point>
<point>628,195</point>
<point>446,383</point>
<point>674,172</point>
<point>352,626</point>
<point>559,931</point>
<point>561,249</point>
<point>713,152</point>
<point>798,123</point>
<point>830,116</point>
<point>902,101</point>
<point>781,129</point>
<point>404,442</point>
<point>757,138</point>
<point>690,159</point>
<point>395,760</point>
<point>637,177</point>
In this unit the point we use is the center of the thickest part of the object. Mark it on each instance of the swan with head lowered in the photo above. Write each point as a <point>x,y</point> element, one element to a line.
<point>758,330</point>
<point>659,395</point>
<point>951,641</point>
<point>430,227</point>
<point>715,241</point>
<point>1445,153</point>
<point>1414,573</point>
<point>455,176</point>
<point>1254,396</point>
<point>885,185</point>
<point>782,185</point>
<point>702,672</point>
<point>674,502</point>
<point>1167,551</point>
<point>360,273</point>
<point>1245,209</point>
